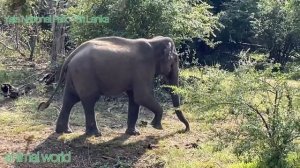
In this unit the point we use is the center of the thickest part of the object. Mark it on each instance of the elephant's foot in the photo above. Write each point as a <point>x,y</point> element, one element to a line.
<point>93,131</point>
<point>132,131</point>
<point>63,129</point>
<point>156,124</point>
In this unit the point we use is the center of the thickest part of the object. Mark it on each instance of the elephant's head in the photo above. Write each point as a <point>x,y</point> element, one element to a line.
<point>168,66</point>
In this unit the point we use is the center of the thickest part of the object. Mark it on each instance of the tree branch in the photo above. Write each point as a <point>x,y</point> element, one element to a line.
<point>262,118</point>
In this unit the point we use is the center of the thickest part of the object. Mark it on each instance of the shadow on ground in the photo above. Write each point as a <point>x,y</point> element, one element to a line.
<point>112,153</point>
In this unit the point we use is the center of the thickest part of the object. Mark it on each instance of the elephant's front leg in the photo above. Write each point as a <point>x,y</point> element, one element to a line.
<point>146,99</point>
<point>133,113</point>
<point>90,120</point>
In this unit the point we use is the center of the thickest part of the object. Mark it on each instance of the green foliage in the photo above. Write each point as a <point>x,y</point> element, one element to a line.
<point>273,26</point>
<point>264,104</point>
<point>293,69</point>
<point>14,76</point>
<point>178,19</point>
<point>194,20</point>
<point>277,26</point>
<point>271,121</point>
<point>245,165</point>
<point>21,7</point>
<point>237,19</point>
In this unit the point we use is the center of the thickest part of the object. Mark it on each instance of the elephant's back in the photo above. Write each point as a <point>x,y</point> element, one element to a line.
<point>107,70</point>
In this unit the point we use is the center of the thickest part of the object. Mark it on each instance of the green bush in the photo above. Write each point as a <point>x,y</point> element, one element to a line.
<point>293,69</point>
<point>264,105</point>
<point>135,19</point>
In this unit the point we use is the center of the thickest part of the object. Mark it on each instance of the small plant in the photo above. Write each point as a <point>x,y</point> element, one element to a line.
<point>271,121</point>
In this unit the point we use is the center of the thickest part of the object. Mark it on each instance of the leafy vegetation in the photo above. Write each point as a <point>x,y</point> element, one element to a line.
<point>264,105</point>
<point>179,19</point>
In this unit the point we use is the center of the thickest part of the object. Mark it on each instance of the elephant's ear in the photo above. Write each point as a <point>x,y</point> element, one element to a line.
<point>168,52</point>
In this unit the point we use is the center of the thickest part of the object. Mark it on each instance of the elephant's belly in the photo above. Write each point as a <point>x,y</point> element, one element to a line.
<point>87,85</point>
<point>113,89</point>
<point>113,81</point>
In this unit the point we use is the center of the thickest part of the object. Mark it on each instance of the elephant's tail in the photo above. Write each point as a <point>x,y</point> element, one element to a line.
<point>43,105</point>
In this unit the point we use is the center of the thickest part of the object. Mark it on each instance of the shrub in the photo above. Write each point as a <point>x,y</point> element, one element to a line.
<point>264,105</point>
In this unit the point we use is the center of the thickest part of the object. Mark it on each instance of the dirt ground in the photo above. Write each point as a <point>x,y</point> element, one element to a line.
<point>27,131</point>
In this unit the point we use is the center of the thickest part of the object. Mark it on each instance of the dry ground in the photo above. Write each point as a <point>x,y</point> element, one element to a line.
<point>25,130</point>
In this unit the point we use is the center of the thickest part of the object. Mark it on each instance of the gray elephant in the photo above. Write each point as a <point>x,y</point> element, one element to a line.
<point>112,65</point>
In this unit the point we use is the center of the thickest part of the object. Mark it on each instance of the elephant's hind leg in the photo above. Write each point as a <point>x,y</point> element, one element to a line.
<point>133,112</point>
<point>69,99</point>
<point>90,120</point>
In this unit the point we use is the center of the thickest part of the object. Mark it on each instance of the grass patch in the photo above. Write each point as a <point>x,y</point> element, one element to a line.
<point>18,123</point>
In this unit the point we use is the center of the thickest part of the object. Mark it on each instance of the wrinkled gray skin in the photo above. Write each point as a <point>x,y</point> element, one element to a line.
<point>112,65</point>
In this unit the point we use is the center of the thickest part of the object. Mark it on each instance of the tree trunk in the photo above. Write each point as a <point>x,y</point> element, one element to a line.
<point>58,46</point>
<point>32,43</point>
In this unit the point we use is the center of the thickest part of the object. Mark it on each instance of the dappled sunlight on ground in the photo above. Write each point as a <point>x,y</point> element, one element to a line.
<point>27,131</point>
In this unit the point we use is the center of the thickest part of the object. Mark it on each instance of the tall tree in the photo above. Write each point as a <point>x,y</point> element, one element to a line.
<point>277,27</point>
<point>133,18</point>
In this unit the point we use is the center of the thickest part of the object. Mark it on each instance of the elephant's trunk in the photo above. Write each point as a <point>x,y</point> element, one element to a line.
<point>176,103</point>
<point>173,80</point>
<point>175,100</point>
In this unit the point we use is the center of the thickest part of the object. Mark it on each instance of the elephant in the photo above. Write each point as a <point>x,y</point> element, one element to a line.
<point>113,65</point>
